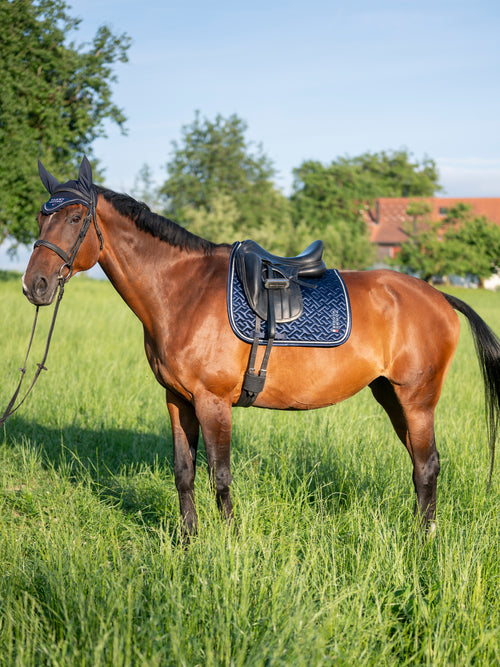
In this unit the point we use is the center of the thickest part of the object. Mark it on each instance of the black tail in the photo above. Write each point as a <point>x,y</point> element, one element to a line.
<point>488,353</point>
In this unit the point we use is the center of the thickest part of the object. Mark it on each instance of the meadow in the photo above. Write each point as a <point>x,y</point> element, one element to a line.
<point>328,567</point>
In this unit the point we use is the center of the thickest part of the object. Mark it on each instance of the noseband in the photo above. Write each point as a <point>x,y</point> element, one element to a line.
<point>69,257</point>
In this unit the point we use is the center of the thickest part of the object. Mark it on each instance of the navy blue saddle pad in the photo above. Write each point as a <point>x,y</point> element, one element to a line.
<point>325,320</point>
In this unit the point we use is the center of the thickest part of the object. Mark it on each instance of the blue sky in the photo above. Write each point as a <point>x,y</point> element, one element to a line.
<point>313,80</point>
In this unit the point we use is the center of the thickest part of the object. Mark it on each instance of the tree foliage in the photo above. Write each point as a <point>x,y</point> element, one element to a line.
<point>55,96</point>
<point>460,244</point>
<point>422,253</point>
<point>387,174</point>
<point>219,184</point>
<point>471,243</point>
<point>329,198</point>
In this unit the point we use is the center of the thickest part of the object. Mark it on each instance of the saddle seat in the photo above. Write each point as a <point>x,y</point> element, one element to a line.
<point>309,263</point>
<point>261,272</point>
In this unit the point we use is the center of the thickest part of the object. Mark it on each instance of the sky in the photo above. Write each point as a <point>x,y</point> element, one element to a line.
<point>313,80</point>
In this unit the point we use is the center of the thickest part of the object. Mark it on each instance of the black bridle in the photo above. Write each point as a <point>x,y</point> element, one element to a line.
<point>69,257</point>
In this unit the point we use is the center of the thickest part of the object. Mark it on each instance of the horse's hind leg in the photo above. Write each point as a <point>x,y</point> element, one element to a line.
<point>185,431</point>
<point>413,421</point>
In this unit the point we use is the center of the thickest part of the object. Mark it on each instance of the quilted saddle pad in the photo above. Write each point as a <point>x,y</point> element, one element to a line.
<point>325,320</point>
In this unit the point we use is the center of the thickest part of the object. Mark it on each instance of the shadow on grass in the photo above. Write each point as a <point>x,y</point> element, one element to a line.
<point>134,470</point>
<point>130,469</point>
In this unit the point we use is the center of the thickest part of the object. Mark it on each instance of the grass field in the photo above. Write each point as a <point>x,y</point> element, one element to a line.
<point>327,568</point>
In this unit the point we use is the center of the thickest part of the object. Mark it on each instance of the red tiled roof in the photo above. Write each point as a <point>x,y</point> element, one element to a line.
<point>390,233</point>
<point>385,220</point>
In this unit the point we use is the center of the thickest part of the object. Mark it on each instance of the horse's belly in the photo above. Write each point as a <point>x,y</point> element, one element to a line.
<point>307,378</point>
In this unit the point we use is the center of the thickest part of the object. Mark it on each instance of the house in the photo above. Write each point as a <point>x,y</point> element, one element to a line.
<point>388,216</point>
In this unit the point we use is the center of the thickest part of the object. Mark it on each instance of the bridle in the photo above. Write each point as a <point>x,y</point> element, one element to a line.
<point>69,257</point>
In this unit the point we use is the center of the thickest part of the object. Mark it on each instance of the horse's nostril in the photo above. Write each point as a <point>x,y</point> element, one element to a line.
<point>40,286</point>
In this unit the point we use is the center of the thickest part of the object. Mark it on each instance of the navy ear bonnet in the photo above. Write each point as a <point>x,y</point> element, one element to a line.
<point>81,191</point>
<point>62,199</point>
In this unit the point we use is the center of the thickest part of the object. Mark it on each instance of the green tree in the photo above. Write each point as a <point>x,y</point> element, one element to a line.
<point>55,97</point>
<point>329,198</point>
<point>460,244</point>
<point>214,169</point>
<point>422,253</point>
<point>322,208</point>
<point>388,174</point>
<point>471,244</point>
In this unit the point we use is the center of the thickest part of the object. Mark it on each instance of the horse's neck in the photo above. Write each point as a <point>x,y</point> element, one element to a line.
<point>140,267</point>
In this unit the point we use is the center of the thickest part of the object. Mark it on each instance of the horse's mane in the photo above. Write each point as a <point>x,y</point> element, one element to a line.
<point>156,225</point>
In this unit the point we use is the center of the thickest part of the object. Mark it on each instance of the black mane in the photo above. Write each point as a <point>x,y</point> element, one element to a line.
<point>156,225</point>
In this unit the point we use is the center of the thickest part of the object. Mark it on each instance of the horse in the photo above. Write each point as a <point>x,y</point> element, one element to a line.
<point>403,336</point>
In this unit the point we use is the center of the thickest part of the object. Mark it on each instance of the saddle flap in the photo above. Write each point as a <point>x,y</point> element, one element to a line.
<point>254,271</point>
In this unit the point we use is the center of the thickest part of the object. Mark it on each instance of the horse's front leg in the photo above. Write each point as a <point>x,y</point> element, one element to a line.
<point>214,415</point>
<point>185,431</point>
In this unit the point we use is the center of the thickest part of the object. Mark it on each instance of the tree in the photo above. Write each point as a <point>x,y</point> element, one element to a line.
<point>471,243</point>
<point>422,253</point>
<point>215,170</point>
<point>324,209</point>
<point>460,244</point>
<point>54,99</point>
<point>387,174</point>
<point>329,198</point>
<point>213,158</point>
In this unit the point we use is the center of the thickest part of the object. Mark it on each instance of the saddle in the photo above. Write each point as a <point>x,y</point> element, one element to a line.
<point>272,288</point>
<point>266,277</point>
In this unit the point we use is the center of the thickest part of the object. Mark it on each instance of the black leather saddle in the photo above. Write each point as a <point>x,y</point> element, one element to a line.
<point>272,288</point>
<point>266,277</point>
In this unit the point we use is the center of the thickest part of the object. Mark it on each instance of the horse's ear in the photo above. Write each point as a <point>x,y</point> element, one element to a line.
<point>85,175</point>
<point>49,182</point>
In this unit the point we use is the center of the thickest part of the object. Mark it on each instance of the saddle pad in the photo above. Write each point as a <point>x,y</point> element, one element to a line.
<point>325,320</point>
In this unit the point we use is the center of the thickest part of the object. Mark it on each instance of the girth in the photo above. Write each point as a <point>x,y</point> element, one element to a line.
<point>272,288</point>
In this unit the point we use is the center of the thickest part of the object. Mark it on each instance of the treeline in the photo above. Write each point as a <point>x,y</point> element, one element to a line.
<point>221,187</point>
<point>56,95</point>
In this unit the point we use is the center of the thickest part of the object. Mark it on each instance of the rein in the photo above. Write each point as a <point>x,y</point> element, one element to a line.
<point>41,366</point>
<point>68,259</point>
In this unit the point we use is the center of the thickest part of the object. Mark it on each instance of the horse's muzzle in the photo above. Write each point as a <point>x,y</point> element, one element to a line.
<point>41,291</point>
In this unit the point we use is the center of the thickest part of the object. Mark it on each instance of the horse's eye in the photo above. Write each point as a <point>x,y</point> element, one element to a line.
<point>75,219</point>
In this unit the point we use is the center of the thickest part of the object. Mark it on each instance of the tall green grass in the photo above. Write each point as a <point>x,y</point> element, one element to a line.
<point>327,568</point>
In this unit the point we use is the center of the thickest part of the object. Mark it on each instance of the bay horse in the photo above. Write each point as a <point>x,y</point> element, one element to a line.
<point>403,335</point>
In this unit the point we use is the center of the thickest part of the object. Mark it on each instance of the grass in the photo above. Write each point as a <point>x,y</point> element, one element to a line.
<point>327,568</point>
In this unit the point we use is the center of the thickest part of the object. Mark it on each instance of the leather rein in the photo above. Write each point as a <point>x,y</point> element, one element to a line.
<point>68,259</point>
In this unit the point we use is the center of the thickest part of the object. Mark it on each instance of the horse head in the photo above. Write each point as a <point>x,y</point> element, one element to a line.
<point>64,222</point>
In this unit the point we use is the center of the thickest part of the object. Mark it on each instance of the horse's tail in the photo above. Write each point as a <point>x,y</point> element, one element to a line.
<point>488,352</point>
